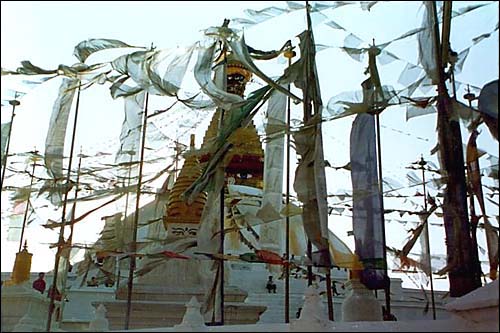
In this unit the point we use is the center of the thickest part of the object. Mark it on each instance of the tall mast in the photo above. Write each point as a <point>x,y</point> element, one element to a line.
<point>462,278</point>
<point>422,164</point>
<point>288,54</point>
<point>118,263</point>
<point>310,71</point>
<point>70,238</point>
<point>387,284</point>
<point>307,116</point>
<point>133,249</point>
<point>32,176</point>
<point>376,110</point>
<point>14,103</point>
<point>222,174</point>
<point>61,242</point>
<point>474,219</point>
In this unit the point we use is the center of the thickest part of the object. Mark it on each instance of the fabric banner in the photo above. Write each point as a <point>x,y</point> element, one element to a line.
<point>56,134</point>
<point>474,176</point>
<point>310,185</point>
<point>16,221</point>
<point>203,75</point>
<point>54,143</point>
<point>130,136</point>
<point>5,132</point>
<point>488,106</point>
<point>367,214</point>
<point>426,45</point>
<point>270,235</point>
<point>310,179</point>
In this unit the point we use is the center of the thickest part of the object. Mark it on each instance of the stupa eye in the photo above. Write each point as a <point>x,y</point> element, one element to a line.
<point>244,175</point>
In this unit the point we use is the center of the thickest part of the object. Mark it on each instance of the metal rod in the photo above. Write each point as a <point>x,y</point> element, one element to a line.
<point>131,153</point>
<point>445,36</point>
<point>27,205</point>
<point>60,242</point>
<point>136,217</point>
<point>222,255</point>
<point>70,238</point>
<point>427,241</point>
<point>387,285</point>
<point>463,276</point>
<point>329,294</point>
<point>309,265</point>
<point>474,219</point>
<point>307,116</point>
<point>287,202</point>
<point>14,103</point>
<point>221,204</point>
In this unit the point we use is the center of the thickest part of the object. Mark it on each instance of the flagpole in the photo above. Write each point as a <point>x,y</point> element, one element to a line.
<point>329,293</point>
<point>422,164</point>
<point>221,204</point>
<point>222,253</point>
<point>70,238</point>
<point>463,277</point>
<point>133,249</point>
<point>307,116</point>
<point>374,77</point>
<point>131,153</point>
<point>387,284</point>
<point>61,242</point>
<point>288,54</point>
<point>27,203</point>
<point>473,216</point>
<point>14,103</point>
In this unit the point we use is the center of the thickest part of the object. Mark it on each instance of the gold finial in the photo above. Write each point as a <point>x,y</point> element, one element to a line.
<point>191,143</point>
<point>289,54</point>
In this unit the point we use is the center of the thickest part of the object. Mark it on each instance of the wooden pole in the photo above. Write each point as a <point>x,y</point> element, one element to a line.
<point>70,238</point>
<point>222,255</point>
<point>462,276</point>
<point>61,242</point>
<point>387,284</point>
<point>27,205</point>
<point>221,206</point>
<point>131,153</point>
<point>289,54</point>
<point>422,164</point>
<point>329,294</point>
<point>307,116</point>
<point>133,246</point>
<point>473,216</point>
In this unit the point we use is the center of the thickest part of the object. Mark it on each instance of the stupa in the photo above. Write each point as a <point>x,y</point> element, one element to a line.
<point>159,297</point>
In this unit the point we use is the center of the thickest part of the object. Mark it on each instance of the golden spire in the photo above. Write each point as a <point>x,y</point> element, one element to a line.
<point>178,211</point>
<point>22,267</point>
<point>245,161</point>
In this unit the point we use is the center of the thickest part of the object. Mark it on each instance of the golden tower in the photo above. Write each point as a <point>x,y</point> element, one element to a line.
<point>244,163</point>
<point>178,211</point>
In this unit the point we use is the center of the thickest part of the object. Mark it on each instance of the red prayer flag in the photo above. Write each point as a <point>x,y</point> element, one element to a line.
<point>171,254</point>
<point>269,257</point>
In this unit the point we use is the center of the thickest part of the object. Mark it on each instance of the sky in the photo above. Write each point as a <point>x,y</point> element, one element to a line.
<point>46,33</point>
